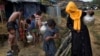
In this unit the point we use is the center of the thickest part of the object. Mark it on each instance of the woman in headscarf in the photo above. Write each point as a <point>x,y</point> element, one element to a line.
<point>81,45</point>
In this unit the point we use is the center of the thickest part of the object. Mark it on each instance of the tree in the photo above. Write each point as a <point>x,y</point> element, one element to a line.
<point>97,2</point>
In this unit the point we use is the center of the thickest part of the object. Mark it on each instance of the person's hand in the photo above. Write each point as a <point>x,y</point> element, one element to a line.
<point>48,38</point>
<point>56,35</point>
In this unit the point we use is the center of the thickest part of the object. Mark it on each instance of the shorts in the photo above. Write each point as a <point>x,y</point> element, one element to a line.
<point>11,25</point>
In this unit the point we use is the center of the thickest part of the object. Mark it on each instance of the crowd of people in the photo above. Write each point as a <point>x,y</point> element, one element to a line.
<point>80,36</point>
<point>32,25</point>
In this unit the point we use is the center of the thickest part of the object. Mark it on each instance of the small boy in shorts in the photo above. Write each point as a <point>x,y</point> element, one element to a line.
<point>11,27</point>
<point>12,41</point>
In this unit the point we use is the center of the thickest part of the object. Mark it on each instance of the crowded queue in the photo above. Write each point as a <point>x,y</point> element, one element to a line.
<point>33,30</point>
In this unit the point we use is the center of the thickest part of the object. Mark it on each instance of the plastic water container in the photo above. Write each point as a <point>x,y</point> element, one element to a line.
<point>89,20</point>
<point>29,37</point>
<point>9,53</point>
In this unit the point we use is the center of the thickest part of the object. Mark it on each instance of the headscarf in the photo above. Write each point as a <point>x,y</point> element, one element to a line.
<point>75,15</point>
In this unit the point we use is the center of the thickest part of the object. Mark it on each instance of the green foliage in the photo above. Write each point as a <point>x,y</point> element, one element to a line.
<point>96,2</point>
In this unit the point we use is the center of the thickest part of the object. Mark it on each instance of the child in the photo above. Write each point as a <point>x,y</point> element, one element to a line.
<point>13,42</point>
<point>38,18</point>
<point>48,38</point>
<point>11,27</point>
<point>28,23</point>
<point>22,29</point>
<point>33,29</point>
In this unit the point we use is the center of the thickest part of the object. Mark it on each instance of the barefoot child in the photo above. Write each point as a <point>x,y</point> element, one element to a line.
<point>49,36</point>
<point>11,27</point>
<point>33,29</point>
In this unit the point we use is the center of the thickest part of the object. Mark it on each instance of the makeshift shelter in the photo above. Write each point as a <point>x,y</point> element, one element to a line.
<point>29,6</point>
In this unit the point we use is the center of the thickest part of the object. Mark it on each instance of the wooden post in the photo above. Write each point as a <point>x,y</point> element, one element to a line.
<point>65,43</point>
<point>58,12</point>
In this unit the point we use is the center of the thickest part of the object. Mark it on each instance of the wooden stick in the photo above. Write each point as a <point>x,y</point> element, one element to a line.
<point>69,47</point>
<point>62,54</point>
<point>66,50</point>
<point>63,44</point>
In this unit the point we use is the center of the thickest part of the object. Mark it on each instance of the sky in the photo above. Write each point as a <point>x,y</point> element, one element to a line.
<point>87,0</point>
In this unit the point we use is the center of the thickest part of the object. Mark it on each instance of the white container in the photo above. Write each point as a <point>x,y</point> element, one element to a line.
<point>29,38</point>
<point>89,20</point>
<point>43,28</point>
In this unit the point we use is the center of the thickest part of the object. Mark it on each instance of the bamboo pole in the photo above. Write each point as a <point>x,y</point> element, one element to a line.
<point>62,54</point>
<point>69,47</point>
<point>65,52</point>
<point>63,44</point>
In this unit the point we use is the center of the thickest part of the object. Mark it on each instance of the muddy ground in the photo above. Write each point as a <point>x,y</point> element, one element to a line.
<point>32,50</point>
<point>95,34</point>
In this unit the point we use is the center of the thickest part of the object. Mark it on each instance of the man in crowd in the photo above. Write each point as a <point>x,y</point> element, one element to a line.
<point>11,27</point>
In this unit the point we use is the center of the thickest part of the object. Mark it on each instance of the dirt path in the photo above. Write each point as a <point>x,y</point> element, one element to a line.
<point>38,51</point>
<point>26,51</point>
<point>95,37</point>
<point>95,50</point>
<point>4,49</point>
<point>30,50</point>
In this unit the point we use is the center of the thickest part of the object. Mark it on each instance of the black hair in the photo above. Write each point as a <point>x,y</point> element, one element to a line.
<point>39,13</point>
<point>51,23</point>
<point>92,13</point>
<point>32,16</point>
<point>28,21</point>
<point>10,28</point>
